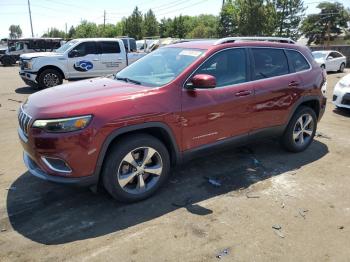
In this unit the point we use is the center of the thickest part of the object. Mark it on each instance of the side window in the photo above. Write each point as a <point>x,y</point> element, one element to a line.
<point>269,62</point>
<point>297,60</point>
<point>336,54</point>
<point>110,47</point>
<point>228,67</point>
<point>86,48</point>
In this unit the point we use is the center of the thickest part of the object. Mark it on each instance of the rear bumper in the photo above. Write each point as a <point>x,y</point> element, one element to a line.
<point>36,171</point>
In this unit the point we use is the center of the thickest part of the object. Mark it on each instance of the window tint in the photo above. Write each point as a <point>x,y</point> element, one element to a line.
<point>228,67</point>
<point>110,47</point>
<point>269,62</point>
<point>297,60</point>
<point>86,48</point>
<point>335,54</point>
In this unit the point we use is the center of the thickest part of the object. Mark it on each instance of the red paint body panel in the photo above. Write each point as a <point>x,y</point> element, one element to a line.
<point>195,117</point>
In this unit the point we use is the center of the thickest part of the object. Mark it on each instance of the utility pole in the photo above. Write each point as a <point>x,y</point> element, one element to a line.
<point>223,3</point>
<point>104,19</point>
<point>66,31</point>
<point>30,17</point>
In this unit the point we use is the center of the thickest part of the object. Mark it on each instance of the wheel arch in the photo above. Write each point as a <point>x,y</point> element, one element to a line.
<point>51,67</point>
<point>309,101</point>
<point>157,129</point>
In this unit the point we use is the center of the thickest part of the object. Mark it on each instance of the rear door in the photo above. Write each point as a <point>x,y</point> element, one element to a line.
<point>84,61</point>
<point>275,87</point>
<point>214,114</point>
<point>112,57</point>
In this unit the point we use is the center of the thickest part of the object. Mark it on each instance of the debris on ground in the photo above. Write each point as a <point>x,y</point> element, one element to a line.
<point>3,229</point>
<point>182,203</point>
<point>223,253</point>
<point>282,205</point>
<point>249,195</point>
<point>214,182</point>
<point>277,230</point>
<point>302,212</point>
<point>341,227</point>
<point>11,188</point>
<point>321,135</point>
<point>14,100</point>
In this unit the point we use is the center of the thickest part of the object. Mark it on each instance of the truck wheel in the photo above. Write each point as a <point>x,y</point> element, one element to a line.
<point>135,168</point>
<point>49,78</point>
<point>301,130</point>
<point>341,68</point>
<point>6,61</point>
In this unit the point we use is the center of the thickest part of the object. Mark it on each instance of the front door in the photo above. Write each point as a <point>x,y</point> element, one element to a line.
<point>84,61</point>
<point>214,114</point>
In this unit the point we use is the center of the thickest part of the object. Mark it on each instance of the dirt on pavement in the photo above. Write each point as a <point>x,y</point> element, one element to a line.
<point>265,204</point>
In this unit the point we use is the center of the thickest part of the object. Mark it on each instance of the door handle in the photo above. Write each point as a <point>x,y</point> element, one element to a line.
<point>95,59</point>
<point>243,93</point>
<point>119,58</point>
<point>294,84</point>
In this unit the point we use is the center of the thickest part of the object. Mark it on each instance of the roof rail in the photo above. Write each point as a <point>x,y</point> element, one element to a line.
<point>254,38</point>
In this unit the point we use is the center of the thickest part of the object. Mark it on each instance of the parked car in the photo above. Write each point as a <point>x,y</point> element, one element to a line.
<point>180,101</point>
<point>17,47</point>
<point>330,60</point>
<point>78,59</point>
<point>341,93</point>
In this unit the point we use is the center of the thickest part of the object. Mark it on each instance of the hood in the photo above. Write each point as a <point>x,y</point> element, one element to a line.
<point>81,97</point>
<point>320,60</point>
<point>345,80</point>
<point>40,54</point>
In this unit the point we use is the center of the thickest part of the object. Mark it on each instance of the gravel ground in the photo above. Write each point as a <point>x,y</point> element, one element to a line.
<point>271,205</point>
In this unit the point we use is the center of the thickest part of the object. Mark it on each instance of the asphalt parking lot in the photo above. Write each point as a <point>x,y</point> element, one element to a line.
<point>270,206</point>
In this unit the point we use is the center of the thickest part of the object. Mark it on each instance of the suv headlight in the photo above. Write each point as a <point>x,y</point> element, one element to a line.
<point>27,64</point>
<point>64,124</point>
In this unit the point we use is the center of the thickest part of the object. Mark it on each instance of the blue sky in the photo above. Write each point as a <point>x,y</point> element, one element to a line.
<point>56,13</point>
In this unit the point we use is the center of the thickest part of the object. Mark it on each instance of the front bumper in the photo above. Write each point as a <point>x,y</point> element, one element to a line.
<point>36,171</point>
<point>29,78</point>
<point>341,96</point>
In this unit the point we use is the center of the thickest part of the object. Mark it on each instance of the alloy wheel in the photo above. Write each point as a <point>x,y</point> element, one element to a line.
<point>140,170</point>
<point>51,80</point>
<point>303,129</point>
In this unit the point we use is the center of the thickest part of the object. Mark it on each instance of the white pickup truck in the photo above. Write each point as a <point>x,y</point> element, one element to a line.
<point>78,59</point>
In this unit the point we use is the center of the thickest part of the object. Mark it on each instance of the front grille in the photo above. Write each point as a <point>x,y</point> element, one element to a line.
<point>24,121</point>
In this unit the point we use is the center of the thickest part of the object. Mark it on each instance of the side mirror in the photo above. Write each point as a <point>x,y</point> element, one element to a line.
<point>329,57</point>
<point>74,53</point>
<point>202,81</point>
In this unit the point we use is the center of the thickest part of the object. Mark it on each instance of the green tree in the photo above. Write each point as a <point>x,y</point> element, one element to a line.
<point>54,32</point>
<point>227,20</point>
<point>15,31</point>
<point>150,24</point>
<point>165,27</point>
<point>86,29</point>
<point>333,17</point>
<point>289,15</point>
<point>71,32</point>
<point>255,17</point>
<point>133,24</point>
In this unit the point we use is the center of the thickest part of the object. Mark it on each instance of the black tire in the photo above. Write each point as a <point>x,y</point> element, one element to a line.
<point>7,61</point>
<point>114,161</point>
<point>44,83</point>
<point>288,141</point>
<point>341,68</point>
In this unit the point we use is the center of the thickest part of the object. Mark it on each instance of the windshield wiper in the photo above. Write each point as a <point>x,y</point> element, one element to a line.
<point>128,80</point>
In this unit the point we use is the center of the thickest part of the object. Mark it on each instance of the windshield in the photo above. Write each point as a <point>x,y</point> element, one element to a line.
<point>66,46</point>
<point>318,55</point>
<point>160,67</point>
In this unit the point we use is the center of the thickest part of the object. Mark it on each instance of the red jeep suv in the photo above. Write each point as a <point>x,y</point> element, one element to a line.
<point>126,130</point>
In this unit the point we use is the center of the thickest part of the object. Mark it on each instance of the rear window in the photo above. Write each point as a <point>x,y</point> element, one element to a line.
<point>269,62</point>
<point>297,60</point>
<point>110,47</point>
